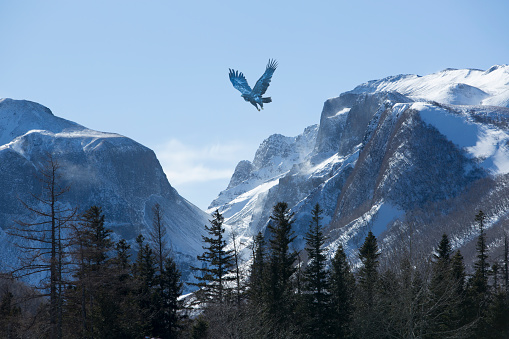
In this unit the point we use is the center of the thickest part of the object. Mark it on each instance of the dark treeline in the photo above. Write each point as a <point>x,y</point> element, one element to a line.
<point>93,288</point>
<point>103,293</point>
<point>431,298</point>
<point>90,285</point>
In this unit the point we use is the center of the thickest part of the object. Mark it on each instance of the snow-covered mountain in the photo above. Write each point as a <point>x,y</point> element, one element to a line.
<point>404,151</point>
<point>104,169</point>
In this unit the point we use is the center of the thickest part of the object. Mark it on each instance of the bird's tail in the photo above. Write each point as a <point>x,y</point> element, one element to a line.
<point>266,100</point>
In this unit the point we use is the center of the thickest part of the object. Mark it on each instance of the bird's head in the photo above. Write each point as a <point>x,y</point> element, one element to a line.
<point>245,97</point>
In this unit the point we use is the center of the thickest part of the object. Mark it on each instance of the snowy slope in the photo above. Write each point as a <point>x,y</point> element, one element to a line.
<point>450,86</point>
<point>487,144</point>
<point>104,169</point>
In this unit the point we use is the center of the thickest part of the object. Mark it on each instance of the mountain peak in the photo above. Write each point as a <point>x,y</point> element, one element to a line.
<point>23,111</point>
<point>497,67</point>
<point>103,169</point>
<point>450,86</point>
<point>18,117</point>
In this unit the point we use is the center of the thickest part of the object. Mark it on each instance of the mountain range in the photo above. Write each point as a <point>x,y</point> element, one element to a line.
<point>407,157</point>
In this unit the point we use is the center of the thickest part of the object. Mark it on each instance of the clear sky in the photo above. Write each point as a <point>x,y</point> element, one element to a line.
<point>157,71</point>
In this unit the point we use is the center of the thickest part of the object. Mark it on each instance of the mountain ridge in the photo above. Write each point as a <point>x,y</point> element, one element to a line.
<point>375,159</point>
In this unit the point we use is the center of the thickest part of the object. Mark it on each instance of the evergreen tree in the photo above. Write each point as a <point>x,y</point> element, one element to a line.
<point>122,258</point>
<point>97,237</point>
<point>257,289</point>
<point>281,268</point>
<point>107,294</point>
<point>480,280</point>
<point>124,318</point>
<point>99,245</point>
<point>440,279</point>
<point>200,329</point>
<point>495,267</point>
<point>342,287</point>
<point>10,317</point>
<point>498,316</point>
<point>458,277</point>
<point>368,273</point>
<point>443,250</point>
<point>478,294</point>
<point>217,263</point>
<point>167,319</point>
<point>166,287</point>
<point>445,300</point>
<point>366,316</point>
<point>144,266</point>
<point>458,273</point>
<point>389,317</point>
<point>316,287</point>
<point>92,243</point>
<point>144,270</point>
<point>257,280</point>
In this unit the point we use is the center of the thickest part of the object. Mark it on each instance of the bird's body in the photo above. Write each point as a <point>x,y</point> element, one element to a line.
<point>254,96</point>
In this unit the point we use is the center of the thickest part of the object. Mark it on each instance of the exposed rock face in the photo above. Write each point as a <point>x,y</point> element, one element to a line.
<point>104,169</point>
<point>241,173</point>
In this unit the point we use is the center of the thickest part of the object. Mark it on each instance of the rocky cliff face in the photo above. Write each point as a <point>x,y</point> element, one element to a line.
<point>103,169</point>
<point>392,152</point>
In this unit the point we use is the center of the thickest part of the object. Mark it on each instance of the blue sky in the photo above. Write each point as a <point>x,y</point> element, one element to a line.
<point>157,71</point>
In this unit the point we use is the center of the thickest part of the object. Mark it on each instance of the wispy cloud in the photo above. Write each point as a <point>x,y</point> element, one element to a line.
<point>186,164</point>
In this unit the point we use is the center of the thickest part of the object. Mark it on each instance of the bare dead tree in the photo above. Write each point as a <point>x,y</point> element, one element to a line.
<point>79,254</point>
<point>157,236</point>
<point>42,241</point>
<point>237,263</point>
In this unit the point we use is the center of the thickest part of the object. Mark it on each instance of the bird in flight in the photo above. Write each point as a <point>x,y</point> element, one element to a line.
<point>254,96</point>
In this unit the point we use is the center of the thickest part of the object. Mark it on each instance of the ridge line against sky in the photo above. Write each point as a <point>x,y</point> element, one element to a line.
<point>157,71</point>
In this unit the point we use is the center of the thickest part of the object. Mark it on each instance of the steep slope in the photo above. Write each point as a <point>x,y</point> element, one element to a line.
<point>428,162</point>
<point>103,169</point>
<point>301,171</point>
<point>384,153</point>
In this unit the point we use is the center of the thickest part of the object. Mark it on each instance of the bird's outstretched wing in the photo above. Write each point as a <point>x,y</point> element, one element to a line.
<point>239,82</point>
<point>263,83</point>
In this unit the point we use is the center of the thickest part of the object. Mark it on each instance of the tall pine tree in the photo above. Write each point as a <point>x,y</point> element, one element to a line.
<point>444,299</point>
<point>217,263</point>
<point>167,319</point>
<point>366,316</point>
<point>368,273</point>
<point>342,287</point>
<point>480,279</point>
<point>257,282</point>
<point>440,280</point>
<point>316,287</point>
<point>92,245</point>
<point>478,293</point>
<point>458,273</point>
<point>144,270</point>
<point>281,303</point>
